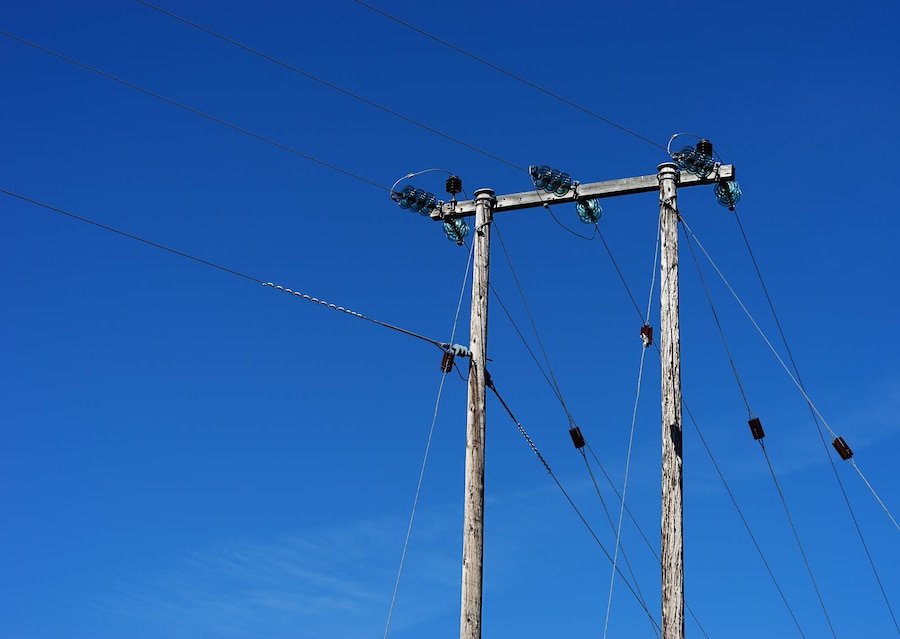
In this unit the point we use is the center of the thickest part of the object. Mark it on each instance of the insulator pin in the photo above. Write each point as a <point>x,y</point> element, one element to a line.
<point>647,335</point>
<point>842,448</point>
<point>447,362</point>
<point>577,437</point>
<point>756,428</point>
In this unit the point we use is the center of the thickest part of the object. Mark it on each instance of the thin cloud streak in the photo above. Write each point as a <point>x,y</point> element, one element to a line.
<point>333,583</point>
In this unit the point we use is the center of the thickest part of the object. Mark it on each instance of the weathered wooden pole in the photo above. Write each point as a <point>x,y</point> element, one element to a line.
<point>483,207</point>
<point>672,539</point>
<point>473,516</point>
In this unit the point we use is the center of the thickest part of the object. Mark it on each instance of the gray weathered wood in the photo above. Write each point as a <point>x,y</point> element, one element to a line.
<point>473,515</point>
<point>672,540</point>
<point>593,190</point>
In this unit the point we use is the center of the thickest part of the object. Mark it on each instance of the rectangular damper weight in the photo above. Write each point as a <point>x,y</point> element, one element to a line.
<point>756,428</point>
<point>842,448</point>
<point>447,362</point>
<point>577,437</point>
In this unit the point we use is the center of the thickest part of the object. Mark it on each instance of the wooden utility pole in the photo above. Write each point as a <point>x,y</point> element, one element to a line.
<point>473,516</point>
<point>672,539</point>
<point>483,207</point>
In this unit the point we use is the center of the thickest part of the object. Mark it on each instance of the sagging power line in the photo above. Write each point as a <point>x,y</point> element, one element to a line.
<point>190,109</point>
<point>331,85</point>
<point>445,346</point>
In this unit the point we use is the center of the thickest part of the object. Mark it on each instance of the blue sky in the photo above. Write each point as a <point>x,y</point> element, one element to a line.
<point>187,453</point>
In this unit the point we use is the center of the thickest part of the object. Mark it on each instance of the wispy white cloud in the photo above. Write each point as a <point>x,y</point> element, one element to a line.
<point>331,582</point>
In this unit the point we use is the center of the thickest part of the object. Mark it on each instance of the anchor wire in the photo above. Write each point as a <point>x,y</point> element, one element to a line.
<point>574,506</point>
<point>225,269</point>
<point>612,578</point>
<point>421,479</point>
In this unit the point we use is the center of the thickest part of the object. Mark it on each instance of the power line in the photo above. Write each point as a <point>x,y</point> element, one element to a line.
<point>715,315</point>
<point>132,236</point>
<point>750,412</point>
<point>790,519</point>
<point>309,298</point>
<point>837,475</point>
<point>815,419</point>
<point>509,74</point>
<point>706,446</point>
<point>790,374</point>
<point>234,127</point>
<point>624,488</point>
<point>437,404</point>
<point>555,384</point>
<point>332,86</point>
<point>640,600</point>
<point>557,391</point>
<point>744,521</point>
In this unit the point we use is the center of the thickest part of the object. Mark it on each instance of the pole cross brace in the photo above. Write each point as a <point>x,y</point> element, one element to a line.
<point>590,191</point>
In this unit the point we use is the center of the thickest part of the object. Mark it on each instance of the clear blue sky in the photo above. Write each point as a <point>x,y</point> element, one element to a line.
<point>187,453</point>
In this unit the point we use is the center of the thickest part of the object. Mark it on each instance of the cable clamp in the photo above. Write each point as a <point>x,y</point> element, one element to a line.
<point>451,351</point>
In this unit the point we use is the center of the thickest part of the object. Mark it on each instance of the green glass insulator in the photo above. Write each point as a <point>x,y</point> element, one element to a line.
<point>701,164</point>
<point>553,182</point>
<point>424,202</point>
<point>418,200</point>
<point>456,230</point>
<point>694,161</point>
<point>563,184</point>
<point>429,204</point>
<point>728,193</point>
<point>540,176</point>
<point>589,211</point>
<point>681,157</point>
<point>407,197</point>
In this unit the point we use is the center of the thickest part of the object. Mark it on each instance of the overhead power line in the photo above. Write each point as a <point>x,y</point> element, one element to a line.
<point>437,405</point>
<point>234,127</point>
<point>330,85</point>
<point>309,298</point>
<point>787,370</point>
<point>744,521</point>
<point>534,449</point>
<point>790,519</point>
<point>815,419</point>
<point>646,319</point>
<point>508,73</point>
